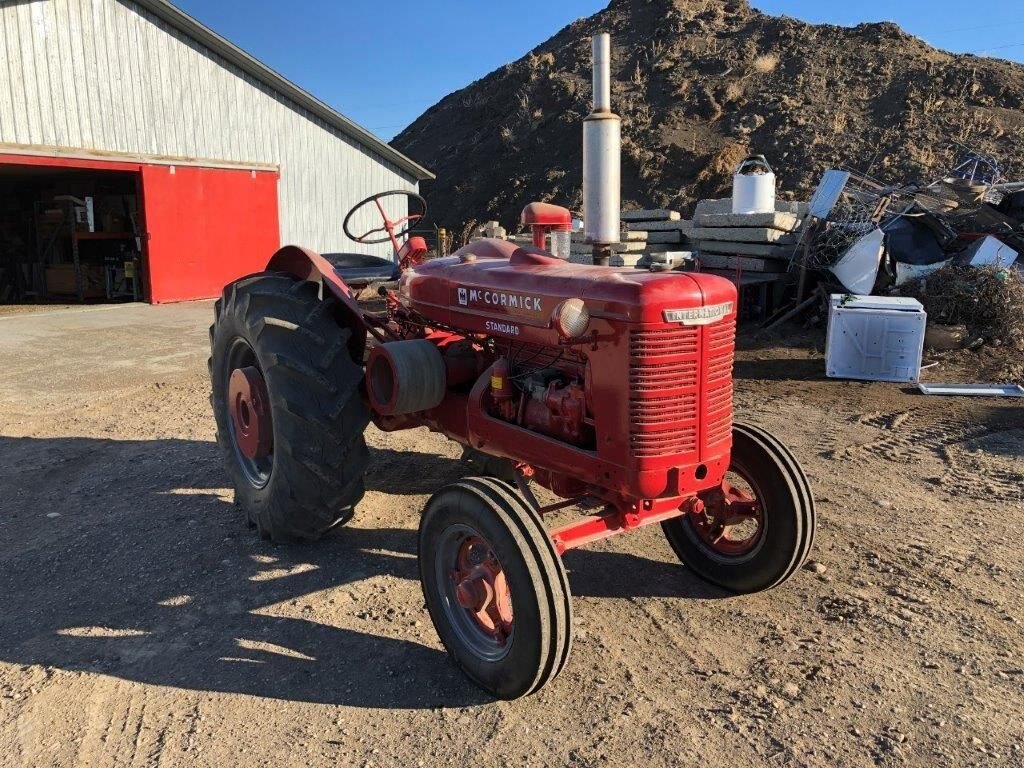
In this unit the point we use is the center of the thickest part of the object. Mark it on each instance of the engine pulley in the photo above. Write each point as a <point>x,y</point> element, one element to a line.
<point>405,377</point>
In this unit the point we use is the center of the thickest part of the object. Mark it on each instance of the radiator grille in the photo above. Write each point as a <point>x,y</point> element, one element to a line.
<point>664,377</point>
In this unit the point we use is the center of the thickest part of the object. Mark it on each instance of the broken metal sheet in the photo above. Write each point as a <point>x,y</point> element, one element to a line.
<point>827,194</point>
<point>858,267</point>
<point>973,390</point>
<point>906,273</point>
<point>988,252</point>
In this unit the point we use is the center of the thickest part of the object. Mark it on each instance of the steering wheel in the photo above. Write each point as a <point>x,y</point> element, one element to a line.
<point>389,225</point>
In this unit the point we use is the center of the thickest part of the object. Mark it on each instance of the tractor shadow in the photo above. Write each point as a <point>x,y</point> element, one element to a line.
<point>123,558</point>
<point>412,473</point>
<point>601,573</point>
<point>780,369</point>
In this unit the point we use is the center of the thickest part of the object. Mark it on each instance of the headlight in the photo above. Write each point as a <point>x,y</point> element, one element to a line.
<point>571,318</point>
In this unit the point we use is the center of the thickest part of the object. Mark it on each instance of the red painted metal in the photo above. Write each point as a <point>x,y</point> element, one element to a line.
<point>482,589</point>
<point>724,512</point>
<point>544,217</point>
<point>412,252</point>
<point>616,520</point>
<point>383,386</point>
<point>250,412</point>
<point>207,227</point>
<point>661,390</point>
<point>57,161</point>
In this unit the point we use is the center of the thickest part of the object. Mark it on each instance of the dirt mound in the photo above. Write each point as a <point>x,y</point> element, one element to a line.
<point>699,83</point>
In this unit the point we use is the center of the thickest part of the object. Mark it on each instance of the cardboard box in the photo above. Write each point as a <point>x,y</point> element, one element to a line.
<point>60,281</point>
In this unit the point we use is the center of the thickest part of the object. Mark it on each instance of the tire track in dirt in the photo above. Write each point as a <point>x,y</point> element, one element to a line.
<point>125,728</point>
<point>902,438</point>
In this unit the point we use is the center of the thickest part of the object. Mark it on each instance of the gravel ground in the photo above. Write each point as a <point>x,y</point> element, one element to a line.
<point>142,623</point>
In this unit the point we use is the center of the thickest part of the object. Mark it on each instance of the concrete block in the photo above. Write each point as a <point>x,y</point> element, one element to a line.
<point>667,236</point>
<point>787,222</point>
<point>724,205</point>
<point>763,250</point>
<point>578,237</point>
<point>667,247</point>
<point>661,226</point>
<point>740,234</point>
<point>659,214</point>
<point>745,263</point>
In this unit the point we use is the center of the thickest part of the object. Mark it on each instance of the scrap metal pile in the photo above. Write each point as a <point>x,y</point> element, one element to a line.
<point>953,243</point>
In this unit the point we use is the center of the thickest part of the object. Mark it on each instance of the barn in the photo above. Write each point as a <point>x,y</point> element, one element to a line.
<point>145,157</point>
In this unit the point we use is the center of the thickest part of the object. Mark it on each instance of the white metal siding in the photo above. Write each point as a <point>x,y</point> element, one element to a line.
<point>107,75</point>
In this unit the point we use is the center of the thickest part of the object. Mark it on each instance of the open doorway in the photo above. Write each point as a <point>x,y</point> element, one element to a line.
<point>70,236</point>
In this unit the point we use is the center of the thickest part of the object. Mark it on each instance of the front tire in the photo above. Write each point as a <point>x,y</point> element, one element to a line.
<point>775,527</point>
<point>495,587</point>
<point>279,331</point>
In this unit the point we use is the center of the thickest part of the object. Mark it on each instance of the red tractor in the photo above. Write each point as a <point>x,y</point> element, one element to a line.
<point>611,388</point>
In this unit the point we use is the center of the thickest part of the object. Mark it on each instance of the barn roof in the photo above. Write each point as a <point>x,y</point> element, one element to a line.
<point>264,74</point>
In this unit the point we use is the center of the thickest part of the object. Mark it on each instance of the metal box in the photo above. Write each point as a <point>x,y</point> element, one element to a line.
<point>875,338</point>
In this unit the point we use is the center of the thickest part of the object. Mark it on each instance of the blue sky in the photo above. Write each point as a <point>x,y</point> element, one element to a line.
<point>354,55</point>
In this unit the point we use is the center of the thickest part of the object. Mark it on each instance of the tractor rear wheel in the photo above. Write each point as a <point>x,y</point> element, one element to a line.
<point>755,531</point>
<point>495,587</point>
<point>285,394</point>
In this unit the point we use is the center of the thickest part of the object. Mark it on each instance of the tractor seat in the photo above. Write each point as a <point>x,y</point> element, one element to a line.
<point>362,269</point>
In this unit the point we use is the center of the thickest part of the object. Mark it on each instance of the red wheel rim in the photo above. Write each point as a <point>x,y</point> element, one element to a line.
<point>729,519</point>
<point>249,405</point>
<point>482,589</point>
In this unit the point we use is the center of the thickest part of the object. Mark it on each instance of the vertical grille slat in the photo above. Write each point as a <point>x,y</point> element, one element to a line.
<point>721,341</point>
<point>664,377</point>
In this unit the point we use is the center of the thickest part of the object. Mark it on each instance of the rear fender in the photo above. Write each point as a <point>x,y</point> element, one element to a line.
<point>309,265</point>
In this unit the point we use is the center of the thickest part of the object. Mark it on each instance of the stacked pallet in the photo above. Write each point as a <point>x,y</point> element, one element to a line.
<point>752,242</point>
<point>624,254</point>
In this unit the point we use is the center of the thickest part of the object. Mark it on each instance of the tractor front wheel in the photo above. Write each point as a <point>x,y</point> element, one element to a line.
<point>285,394</point>
<point>754,531</point>
<point>495,587</point>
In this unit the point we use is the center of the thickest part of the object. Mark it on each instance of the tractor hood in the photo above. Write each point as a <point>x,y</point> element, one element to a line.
<point>496,287</point>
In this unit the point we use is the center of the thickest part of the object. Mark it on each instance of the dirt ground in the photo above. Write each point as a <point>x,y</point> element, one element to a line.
<point>142,623</point>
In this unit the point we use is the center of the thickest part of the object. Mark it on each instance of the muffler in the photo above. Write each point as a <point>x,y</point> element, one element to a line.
<point>602,170</point>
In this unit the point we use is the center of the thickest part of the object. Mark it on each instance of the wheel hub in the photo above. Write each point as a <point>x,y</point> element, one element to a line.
<point>482,589</point>
<point>249,404</point>
<point>728,519</point>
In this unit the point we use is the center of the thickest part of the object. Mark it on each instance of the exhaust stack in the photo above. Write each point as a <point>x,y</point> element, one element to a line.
<point>601,164</point>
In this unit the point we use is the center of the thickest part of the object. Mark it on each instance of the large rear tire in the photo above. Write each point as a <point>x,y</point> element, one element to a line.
<point>775,519</point>
<point>278,330</point>
<point>495,587</point>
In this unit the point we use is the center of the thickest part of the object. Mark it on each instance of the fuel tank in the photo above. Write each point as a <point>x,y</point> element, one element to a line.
<point>498,288</point>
